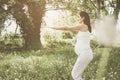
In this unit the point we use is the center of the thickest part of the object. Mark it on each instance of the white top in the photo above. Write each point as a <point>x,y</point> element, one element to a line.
<point>83,41</point>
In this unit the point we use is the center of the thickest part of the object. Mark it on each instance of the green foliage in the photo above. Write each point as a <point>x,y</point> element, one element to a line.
<point>24,13</point>
<point>10,42</point>
<point>94,44</point>
<point>67,35</point>
<point>67,18</point>
<point>54,64</point>
<point>74,6</point>
<point>3,17</point>
<point>113,65</point>
<point>49,64</point>
<point>56,41</point>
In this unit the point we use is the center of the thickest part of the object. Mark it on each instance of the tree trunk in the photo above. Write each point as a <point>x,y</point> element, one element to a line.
<point>32,38</point>
<point>117,9</point>
<point>36,12</point>
<point>98,8</point>
<point>31,35</point>
<point>30,22</point>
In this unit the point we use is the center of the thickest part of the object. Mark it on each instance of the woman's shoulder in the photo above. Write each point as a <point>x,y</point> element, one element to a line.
<point>84,27</point>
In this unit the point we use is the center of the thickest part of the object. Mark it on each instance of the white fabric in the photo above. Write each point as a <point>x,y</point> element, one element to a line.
<point>83,42</point>
<point>84,52</point>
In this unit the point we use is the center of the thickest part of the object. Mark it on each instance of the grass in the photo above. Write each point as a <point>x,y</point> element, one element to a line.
<point>92,69</point>
<point>102,64</point>
<point>49,64</point>
<point>113,65</point>
<point>37,65</point>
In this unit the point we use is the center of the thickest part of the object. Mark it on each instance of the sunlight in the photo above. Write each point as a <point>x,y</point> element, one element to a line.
<point>51,17</point>
<point>10,27</point>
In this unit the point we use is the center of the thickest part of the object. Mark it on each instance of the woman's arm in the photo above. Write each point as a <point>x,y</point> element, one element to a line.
<point>70,28</point>
<point>60,28</point>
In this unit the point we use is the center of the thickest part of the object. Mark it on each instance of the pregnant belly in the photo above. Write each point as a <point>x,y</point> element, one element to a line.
<point>79,48</point>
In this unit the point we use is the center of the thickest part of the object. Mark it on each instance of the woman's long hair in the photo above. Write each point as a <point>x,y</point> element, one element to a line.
<point>86,19</point>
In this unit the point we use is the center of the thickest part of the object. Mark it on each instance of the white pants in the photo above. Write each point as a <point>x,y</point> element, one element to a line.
<point>84,58</point>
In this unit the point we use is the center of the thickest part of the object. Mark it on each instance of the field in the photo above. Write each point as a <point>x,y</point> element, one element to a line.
<point>57,63</point>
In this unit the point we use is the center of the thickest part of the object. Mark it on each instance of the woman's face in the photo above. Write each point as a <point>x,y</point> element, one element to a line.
<point>81,19</point>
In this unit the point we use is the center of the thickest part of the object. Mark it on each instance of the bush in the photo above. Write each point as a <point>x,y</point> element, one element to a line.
<point>55,40</point>
<point>10,42</point>
<point>67,35</point>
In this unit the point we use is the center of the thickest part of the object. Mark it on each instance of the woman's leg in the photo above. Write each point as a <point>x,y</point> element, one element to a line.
<point>81,63</point>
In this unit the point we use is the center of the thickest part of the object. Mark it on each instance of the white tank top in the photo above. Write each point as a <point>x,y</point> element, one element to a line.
<point>83,41</point>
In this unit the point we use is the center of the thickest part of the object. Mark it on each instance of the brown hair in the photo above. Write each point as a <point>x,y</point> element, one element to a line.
<point>86,19</point>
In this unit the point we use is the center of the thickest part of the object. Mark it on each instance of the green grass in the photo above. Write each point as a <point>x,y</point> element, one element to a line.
<point>48,64</point>
<point>102,63</point>
<point>54,64</point>
<point>91,71</point>
<point>113,65</point>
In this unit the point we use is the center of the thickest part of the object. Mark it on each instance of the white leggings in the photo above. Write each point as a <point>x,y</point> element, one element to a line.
<point>84,58</point>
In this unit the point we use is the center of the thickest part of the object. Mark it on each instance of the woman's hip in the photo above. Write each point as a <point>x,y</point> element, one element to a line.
<point>87,51</point>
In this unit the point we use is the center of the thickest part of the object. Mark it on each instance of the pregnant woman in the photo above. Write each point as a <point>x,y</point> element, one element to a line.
<point>82,46</point>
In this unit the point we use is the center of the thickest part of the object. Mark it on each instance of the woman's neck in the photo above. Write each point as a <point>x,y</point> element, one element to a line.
<point>81,22</point>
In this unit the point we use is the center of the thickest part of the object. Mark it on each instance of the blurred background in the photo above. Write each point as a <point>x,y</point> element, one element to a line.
<point>29,50</point>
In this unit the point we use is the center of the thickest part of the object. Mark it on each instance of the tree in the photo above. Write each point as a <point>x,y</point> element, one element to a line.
<point>98,8</point>
<point>3,15</point>
<point>117,8</point>
<point>74,6</point>
<point>28,15</point>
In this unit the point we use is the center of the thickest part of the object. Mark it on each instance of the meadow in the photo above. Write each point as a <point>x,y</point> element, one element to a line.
<point>57,63</point>
<point>24,28</point>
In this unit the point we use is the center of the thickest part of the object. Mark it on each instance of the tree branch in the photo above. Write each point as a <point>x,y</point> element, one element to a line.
<point>3,9</point>
<point>93,5</point>
<point>111,4</point>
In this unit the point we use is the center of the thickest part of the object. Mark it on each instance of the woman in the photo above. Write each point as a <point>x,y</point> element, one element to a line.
<point>82,47</point>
